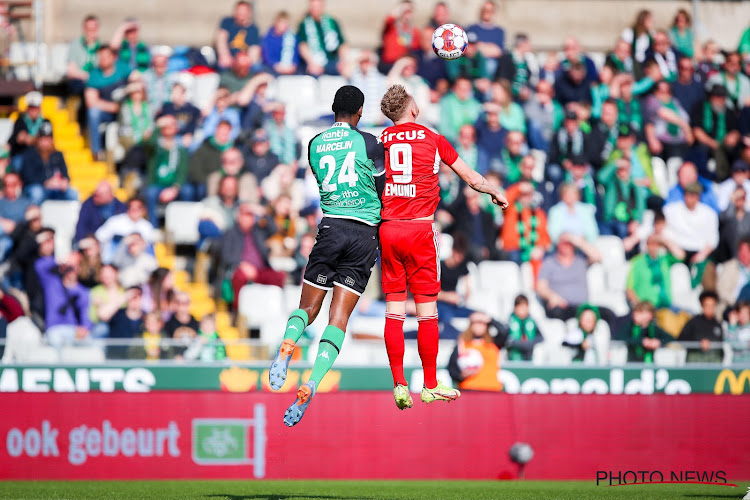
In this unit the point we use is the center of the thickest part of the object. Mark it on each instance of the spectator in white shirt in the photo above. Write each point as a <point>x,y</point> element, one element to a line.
<point>119,226</point>
<point>694,227</point>
<point>740,178</point>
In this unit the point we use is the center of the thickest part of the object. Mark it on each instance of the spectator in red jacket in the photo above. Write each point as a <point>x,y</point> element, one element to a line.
<point>400,35</point>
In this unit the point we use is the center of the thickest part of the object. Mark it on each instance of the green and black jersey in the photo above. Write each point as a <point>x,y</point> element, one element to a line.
<point>345,162</point>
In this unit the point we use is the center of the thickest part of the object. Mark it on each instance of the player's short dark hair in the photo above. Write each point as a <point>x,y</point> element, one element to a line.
<point>521,299</point>
<point>347,101</point>
<point>708,294</point>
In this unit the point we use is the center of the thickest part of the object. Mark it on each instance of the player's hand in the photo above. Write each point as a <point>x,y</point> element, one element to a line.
<point>500,200</point>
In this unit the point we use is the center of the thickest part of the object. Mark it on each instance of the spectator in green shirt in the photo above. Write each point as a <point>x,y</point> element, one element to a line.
<point>166,168</point>
<point>82,55</point>
<point>321,42</point>
<point>101,105</point>
<point>649,277</point>
<point>623,201</point>
<point>642,335</point>
<point>681,33</point>
<point>458,108</point>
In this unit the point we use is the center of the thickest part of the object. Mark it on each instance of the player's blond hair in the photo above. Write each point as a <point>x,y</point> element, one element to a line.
<point>395,102</point>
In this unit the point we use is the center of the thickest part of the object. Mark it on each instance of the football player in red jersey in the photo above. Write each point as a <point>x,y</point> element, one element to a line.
<point>409,239</point>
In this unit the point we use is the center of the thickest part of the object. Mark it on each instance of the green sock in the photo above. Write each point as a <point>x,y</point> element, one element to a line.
<point>330,345</point>
<point>296,325</point>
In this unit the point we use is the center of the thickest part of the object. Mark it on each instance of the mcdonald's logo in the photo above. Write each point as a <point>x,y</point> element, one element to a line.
<point>736,382</point>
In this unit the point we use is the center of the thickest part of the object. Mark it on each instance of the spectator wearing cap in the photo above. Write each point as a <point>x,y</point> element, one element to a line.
<point>686,175</point>
<point>400,35</point>
<point>524,232</point>
<point>237,33</point>
<point>260,161</point>
<point>664,54</point>
<point>136,116</point>
<point>279,47</point>
<point>458,108</point>
<point>491,137</point>
<point>186,114</point>
<point>544,115</point>
<point>281,137</point>
<point>222,111</point>
<point>740,178</point>
<point>117,227</point>
<point>166,168</point>
<point>580,175</point>
<point>26,127</point>
<point>43,170</point>
<point>520,67</point>
<point>694,227</point>
<point>13,206</point>
<point>207,159</point>
<point>566,143</point>
<point>667,129</point>
<point>706,329</point>
<point>366,77</point>
<point>688,89</point>
<point>101,106</point>
<point>66,303</point>
<point>97,209</point>
<point>82,54</point>
<point>734,224</point>
<point>490,36</point>
<point>716,133</point>
<point>133,51</point>
<point>623,201</point>
<point>734,81</point>
<point>158,80</point>
<point>321,41</point>
<point>571,216</point>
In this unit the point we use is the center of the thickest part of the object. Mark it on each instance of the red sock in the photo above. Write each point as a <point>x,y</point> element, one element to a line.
<point>394,345</point>
<point>427,343</point>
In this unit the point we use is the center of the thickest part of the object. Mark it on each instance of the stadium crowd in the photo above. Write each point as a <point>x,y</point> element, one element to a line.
<point>651,145</point>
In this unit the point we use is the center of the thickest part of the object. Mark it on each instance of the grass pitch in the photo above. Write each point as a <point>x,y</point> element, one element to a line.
<point>356,490</point>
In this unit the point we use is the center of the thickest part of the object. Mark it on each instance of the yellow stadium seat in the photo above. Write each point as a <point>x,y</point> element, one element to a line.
<point>181,278</point>
<point>74,144</point>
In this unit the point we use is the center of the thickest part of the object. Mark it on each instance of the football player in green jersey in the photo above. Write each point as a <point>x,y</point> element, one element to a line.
<point>347,163</point>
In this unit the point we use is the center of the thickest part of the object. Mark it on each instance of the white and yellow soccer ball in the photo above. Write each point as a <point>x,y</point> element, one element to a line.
<point>449,41</point>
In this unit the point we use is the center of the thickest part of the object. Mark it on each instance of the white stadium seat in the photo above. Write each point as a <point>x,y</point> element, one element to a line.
<point>204,89</point>
<point>84,355</point>
<point>263,308</point>
<point>503,276</point>
<point>181,221</point>
<point>683,294</point>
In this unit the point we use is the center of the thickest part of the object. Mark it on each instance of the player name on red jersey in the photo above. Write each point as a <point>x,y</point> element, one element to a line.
<point>403,190</point>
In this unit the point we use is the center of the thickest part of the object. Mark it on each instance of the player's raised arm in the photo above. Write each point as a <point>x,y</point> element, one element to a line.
<point>477,182</point>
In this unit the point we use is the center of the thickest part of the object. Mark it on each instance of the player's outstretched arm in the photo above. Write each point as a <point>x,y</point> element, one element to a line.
<point>477,182</point>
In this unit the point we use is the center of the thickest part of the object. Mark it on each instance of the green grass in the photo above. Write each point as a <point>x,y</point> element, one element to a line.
<point>356,490</point>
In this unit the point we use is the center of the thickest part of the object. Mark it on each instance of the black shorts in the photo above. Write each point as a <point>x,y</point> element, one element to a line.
<point>344,254</point>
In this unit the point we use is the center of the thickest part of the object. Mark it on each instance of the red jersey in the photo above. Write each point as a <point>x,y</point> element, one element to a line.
<point>412,161</point>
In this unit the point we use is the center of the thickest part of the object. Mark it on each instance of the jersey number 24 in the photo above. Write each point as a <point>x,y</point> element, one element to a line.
<point>347,173</point>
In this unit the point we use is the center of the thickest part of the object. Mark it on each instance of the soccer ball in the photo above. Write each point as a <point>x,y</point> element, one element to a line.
<point>449,41</point>
<point>470,359</point>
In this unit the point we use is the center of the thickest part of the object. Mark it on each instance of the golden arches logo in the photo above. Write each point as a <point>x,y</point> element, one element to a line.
<point>736,382</point>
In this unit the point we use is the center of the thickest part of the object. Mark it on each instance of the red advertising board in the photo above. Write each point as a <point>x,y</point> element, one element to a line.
<point>363,435</point>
